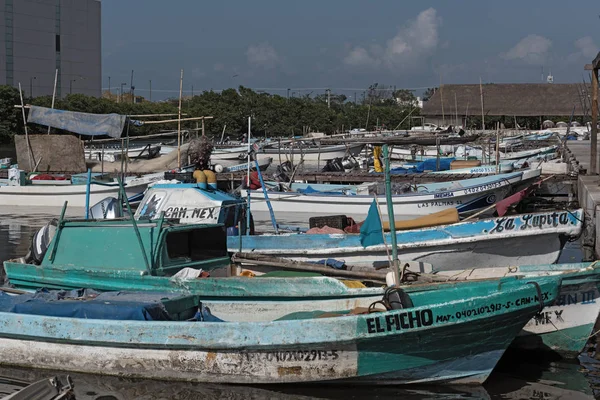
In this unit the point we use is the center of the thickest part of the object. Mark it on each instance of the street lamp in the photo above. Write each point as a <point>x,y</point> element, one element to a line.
<point>31,85</point>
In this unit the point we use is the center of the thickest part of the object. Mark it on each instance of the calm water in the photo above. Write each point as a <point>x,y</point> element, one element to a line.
<point>519,376</point>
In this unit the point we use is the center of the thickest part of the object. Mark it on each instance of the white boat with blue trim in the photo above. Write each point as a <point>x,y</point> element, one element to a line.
<point>493,242</point>
<point>468,196</point>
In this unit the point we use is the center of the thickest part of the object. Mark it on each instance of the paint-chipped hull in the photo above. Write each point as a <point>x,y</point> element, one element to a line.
<point>455,334</point>
<point>403,359</point>
<point>540,249</point>
<point>485,243</point>
<point>565,327</point>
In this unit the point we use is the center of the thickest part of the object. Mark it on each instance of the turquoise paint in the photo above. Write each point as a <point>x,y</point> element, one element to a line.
<point>473,338</point>
<point>566,342</point>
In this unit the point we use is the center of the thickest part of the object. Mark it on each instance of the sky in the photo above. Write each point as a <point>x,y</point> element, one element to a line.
<point>345,45</point>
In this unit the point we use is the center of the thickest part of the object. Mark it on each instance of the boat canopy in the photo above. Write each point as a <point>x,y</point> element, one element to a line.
<point>78,122</point>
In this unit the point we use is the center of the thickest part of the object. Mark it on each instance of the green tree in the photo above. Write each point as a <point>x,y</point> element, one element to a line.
<point>11,121</point>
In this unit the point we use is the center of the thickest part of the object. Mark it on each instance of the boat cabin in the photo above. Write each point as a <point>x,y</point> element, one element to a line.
<point>161,248</point>
<point>190,204</point>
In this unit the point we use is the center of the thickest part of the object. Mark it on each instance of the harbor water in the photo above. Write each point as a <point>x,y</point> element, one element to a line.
<point>518,376</point>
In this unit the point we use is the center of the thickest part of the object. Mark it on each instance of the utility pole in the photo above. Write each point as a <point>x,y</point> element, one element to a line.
<point>132,89</point>
<point>192,91</point>
<point>288,93</point>
<point>109,96</point>
<point>150,90</point>
<point>328,98</point>
<point>354,97</point>
<point>594,67</point>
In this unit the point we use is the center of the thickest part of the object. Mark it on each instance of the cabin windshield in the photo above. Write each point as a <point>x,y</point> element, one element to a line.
<point>193,246</point>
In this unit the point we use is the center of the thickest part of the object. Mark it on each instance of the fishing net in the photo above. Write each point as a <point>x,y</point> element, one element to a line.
<point>199,152</point>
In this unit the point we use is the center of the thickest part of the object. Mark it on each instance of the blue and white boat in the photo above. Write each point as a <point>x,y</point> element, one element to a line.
<point>468,196</point>
<point>526,239</point>
<point>474,244</point>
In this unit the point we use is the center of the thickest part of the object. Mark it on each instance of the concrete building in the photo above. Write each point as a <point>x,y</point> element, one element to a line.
<point>37,37</point>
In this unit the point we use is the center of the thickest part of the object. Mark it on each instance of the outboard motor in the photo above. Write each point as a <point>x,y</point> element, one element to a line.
<point>334,165</point>
<point>107,208</point>
<point>349,163</point>
<point>282,174</point>
<point>41,241</point>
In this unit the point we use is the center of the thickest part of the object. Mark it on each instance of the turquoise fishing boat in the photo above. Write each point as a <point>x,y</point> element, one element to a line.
<point>564,327</point>
<point>74,260</point>
<point>447,333</point>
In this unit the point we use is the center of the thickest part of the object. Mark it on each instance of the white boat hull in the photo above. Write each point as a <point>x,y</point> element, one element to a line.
<point>451,255</point>
<point>315,154</point>
<point>45,195</point>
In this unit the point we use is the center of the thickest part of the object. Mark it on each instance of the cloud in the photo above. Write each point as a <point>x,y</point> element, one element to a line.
<point>415,41</point>
<point>587,48</point>
<point>358,57</point>
<point>197,73</point>
<point>263,55</point>
<point>532,49</point>
<point>218,67</point>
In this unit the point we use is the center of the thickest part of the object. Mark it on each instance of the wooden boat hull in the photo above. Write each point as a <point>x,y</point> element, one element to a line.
<point>395,347</point>
<point>485,243</point>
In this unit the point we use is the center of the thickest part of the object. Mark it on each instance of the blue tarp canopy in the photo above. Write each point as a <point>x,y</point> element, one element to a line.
<point>88,304</point>
<point>78,122</point>
<point>429,164</point>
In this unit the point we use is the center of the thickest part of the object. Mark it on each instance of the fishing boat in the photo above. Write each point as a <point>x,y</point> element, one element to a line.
<point>263,160</point>
<point>19,191</point>
<point>229,154</point>
<point>404,153</point>
<point>539,136</point>
<point>478,152</point>
<point>263,164</point>
<point>468,196</point>
<point>566,326</point>
<point>313,153</point>
<point>115,152</point>
<point>168,337</point>
<point>165,249</point>
<point>491,242</point>
<point>527,153</point>
<point>479,170</point>
<point>433,239</point>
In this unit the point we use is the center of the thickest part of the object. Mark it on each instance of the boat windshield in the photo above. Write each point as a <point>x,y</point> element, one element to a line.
<point>194,245</point>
